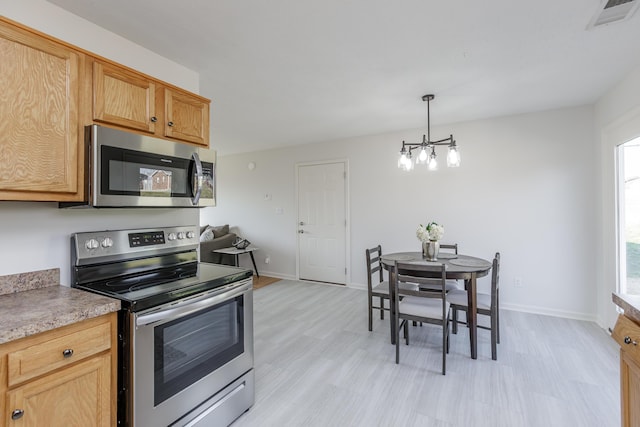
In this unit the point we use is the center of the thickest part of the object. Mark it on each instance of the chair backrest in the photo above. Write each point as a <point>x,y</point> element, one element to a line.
<point>374,266</point>
<point>495,280</point>
<point>453,247</point>
<point>430,278</point>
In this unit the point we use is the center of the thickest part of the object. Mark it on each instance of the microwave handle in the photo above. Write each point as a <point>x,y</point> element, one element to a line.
<point>198,177</point>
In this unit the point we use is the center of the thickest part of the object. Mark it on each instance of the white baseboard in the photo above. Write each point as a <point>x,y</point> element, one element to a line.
<point>276,275</point>
<point>549,312</point>
<point>513,307</point>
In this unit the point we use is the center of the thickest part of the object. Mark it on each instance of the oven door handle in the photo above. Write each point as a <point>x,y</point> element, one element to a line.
<point>190,306</point>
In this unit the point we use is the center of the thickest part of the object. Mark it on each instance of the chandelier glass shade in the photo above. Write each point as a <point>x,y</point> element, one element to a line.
<point>425,152</point>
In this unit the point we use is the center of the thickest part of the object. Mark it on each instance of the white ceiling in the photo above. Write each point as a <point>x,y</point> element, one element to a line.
<point>286,72</point>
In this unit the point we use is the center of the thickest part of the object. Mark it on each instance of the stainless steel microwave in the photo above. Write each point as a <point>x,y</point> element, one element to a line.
<point>125,169</point>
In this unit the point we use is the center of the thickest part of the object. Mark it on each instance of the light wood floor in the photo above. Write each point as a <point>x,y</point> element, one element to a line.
<point>259,282</point>
<point>317,364</point>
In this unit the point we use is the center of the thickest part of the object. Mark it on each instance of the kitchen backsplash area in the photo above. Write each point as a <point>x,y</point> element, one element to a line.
<point>19,282</point>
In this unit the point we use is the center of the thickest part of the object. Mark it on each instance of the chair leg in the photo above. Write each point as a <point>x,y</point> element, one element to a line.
<point>382,308</point>
<point>498,318</point>
<point>406,331</point>
<point>370,313</point>
<point>455,320</point>
<point>494,336</point>
<point>397,343</point>
<point>444,347</point>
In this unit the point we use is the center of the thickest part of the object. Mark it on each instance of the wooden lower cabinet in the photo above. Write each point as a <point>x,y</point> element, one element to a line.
<point>630,387</point>
<point>75,396</point>
<point>78,389</point>
<point>627,334</point>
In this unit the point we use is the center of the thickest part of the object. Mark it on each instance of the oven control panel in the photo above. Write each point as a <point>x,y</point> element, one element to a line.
<point>122,244</point>
<point>146,239</point>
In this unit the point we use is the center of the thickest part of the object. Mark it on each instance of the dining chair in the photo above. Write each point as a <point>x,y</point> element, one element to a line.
<point>427,304</point>
<point>450,247</point>
<point>487,304</point>
<point>377,287</point>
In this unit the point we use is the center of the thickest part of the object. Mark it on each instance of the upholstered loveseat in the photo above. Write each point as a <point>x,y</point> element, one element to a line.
<point>212,238</point>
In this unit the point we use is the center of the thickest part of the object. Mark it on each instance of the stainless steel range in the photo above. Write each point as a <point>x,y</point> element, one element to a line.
<point>185,328</point>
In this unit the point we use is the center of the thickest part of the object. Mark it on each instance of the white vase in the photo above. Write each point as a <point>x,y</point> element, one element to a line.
<point>430,250</point>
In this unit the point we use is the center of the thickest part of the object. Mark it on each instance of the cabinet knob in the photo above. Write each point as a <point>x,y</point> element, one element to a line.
<point>300,231</point>
<point>154,119</point>
<point>17,414</point>
<point>628,340</point>
<point>170,124</point>
<point>67,352</point>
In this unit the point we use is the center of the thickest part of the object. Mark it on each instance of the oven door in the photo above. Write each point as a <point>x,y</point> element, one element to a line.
<point>185,352</point>
<point>131,170</point>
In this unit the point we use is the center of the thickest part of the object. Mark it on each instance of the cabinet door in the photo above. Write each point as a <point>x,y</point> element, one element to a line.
<point>122,98</point>
<point>75,396</point>
<point>630,390</point>
<point>186,118</point>
<point>39,94</point>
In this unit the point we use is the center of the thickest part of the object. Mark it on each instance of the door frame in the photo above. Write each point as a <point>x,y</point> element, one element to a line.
<point>347,214</point>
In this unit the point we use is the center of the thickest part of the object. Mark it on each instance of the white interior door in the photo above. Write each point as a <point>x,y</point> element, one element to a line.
<point>322,222</point>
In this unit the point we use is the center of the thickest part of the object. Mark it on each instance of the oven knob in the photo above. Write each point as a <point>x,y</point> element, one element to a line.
<point>171,236</point>
<point>181,235</point>
<point>107,242</point>
<point>191,234</point>
<point>91,244</point>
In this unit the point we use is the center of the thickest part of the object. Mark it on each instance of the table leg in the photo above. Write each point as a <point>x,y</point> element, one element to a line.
<point>237,259</point>
<point>254,264</point>
<point>472,315</point>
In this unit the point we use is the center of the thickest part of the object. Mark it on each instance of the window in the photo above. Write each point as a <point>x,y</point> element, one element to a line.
<point>629,215</point>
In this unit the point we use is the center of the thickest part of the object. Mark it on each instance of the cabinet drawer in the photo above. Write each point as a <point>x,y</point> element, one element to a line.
<point>47,356</point>
<point>627,334</point>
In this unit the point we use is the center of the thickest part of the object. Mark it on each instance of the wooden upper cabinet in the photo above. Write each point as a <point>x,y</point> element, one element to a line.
<point>122,98</point>
<point>127,99</point>
<point>186,118</point>
<point>39,111</point>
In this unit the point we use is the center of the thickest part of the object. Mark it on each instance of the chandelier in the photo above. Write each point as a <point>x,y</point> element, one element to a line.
<point>425,152</point>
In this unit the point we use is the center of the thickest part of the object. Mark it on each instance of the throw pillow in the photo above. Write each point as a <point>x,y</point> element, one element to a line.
<point>221,230</point>
<point>206,235</point>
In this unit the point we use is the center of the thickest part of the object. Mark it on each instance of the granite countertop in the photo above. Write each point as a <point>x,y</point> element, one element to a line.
<point>629,303</point>
<point>35,302</point>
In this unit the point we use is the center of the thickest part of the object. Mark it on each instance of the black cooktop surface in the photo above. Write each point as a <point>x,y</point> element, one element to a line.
<point>153,288</point>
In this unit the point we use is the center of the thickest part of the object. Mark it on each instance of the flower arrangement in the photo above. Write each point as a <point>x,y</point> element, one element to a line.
<point>432,231</point>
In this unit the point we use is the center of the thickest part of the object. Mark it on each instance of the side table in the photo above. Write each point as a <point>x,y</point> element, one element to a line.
<point>236,254</point>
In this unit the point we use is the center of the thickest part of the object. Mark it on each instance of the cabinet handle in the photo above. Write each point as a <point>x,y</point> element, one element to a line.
<point>17,414</point>
<point>628,340</point>
<point>67,352</point>
<point>170,124</point>
<point>154,119</point>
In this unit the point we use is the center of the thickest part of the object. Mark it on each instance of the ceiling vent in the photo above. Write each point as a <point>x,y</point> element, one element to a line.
<point>614,11</point>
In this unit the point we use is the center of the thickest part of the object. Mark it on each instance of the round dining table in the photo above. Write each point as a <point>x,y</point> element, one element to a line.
<point>457,266</point>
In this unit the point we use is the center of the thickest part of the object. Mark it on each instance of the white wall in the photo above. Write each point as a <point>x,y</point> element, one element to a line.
<point>618,121</point>
<point>57,22</point>
<point>35,236</point>
<point>525,188</point>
